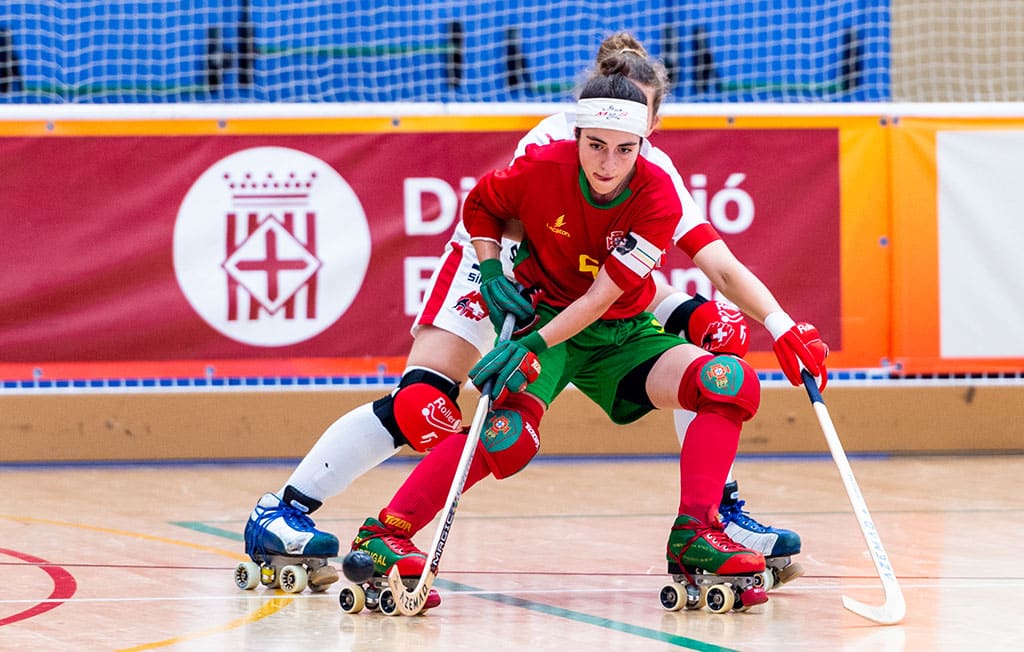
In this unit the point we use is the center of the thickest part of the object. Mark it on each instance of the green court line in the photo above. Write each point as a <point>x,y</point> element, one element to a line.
<point>549,610</point>
<point>596,621</point>
<point>196,526</point>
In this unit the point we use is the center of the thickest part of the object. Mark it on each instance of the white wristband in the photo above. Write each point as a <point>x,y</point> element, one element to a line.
<point>778,323</point>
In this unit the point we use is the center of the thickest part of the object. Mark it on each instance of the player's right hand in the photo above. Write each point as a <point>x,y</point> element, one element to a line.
<point>501,295</point>
<point>510,364</point>
<point>798,347</point>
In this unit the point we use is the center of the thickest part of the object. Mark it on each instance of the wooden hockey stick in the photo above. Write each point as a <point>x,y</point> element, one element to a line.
<point>894,608</point>
<point>411,602</point>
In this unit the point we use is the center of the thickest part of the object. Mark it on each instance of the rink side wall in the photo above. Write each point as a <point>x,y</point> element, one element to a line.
<point>284,425</point>
<point>907,297</point>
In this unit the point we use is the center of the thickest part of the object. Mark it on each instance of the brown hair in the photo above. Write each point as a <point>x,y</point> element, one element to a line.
<point>623,48</point>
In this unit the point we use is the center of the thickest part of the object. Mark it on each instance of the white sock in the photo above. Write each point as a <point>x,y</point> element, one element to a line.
<point>682,420</point>
<point>664,309</point>
<point>351,446</point>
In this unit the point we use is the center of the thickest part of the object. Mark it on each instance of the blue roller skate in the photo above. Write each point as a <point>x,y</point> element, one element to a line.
<point>286,549</point>
<point>776,544</point>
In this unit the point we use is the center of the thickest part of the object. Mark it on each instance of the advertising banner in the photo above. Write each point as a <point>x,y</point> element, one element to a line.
<point>959,278</point>
<point>154,249</point>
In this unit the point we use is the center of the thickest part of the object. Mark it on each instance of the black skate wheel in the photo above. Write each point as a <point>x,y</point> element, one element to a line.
<point>357,566</point>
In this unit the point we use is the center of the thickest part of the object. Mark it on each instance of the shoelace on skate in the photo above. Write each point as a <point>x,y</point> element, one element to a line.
<point>294,518</point>
<point>736,514</point>
<point>716,536</point>
<point>735,508</point>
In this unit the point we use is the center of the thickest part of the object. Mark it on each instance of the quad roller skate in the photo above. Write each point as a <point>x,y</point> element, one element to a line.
<point>287,551</point>
<point>380,544</point>
<point>776,544</point>
<point>710,570</point>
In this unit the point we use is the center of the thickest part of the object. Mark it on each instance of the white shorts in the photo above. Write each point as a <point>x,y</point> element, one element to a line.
<point>453,301</point>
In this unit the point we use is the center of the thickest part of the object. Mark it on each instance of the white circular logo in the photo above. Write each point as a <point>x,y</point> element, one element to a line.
<point>271,246</point>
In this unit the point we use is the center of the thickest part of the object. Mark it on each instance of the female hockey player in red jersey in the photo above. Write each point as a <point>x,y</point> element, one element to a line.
<point>596,219</point>
<point>448,341</point>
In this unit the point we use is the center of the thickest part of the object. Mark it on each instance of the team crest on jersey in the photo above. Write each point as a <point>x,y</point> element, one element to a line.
<point>471,306</point>
<point>615,239</point>
<point>271,246</point>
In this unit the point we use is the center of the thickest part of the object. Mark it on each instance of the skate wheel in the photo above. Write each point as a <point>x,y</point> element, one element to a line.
<point>720,598</point>
<point>387,603</point>
<point>765,580</point>
<point>294,579</point>
<point>352,599</point>
<point>673,597</point>
<point>247,575</point>
<point>788,574</point>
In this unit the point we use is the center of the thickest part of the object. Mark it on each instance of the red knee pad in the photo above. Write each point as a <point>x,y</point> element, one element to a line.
<point>721,379</point>
<point>511,436</point>
<point>425,415</point>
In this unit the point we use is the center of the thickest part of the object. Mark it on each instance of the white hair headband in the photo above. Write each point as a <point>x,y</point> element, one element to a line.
<point>611,113</point>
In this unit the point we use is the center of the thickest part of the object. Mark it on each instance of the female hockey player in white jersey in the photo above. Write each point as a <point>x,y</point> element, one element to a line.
<point>452,332</point>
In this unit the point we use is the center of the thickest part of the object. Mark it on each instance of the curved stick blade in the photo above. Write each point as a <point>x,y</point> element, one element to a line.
<point>409,603</point>
<point>888,613</point>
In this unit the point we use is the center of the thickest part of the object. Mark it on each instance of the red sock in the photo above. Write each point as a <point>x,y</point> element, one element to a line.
<point>424,492</point>
<point>708,451</point>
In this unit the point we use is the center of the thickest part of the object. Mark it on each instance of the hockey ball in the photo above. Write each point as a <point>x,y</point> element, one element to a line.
<point>357,566</point>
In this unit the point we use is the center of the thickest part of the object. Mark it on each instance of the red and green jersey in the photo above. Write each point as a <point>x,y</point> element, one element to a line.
<point>567,238</point>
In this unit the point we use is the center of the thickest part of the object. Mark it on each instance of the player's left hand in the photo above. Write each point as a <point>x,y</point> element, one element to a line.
<point>511,364</point>
<point>501,295</point>
<point>799,347</point>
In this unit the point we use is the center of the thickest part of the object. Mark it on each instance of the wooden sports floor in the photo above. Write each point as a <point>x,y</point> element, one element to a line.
<point>567,555</point>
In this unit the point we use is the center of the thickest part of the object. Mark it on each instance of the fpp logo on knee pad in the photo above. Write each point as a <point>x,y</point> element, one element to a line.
<point>511,439</point>
<point>731,380</point>
<point>425,415</point>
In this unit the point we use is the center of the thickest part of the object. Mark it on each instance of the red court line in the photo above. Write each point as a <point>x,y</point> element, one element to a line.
<point>64,586</point>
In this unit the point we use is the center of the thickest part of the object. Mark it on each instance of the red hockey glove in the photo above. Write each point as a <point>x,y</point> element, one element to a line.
<point>717,328</point>
<point>798,346</point>
<point>512,365</point>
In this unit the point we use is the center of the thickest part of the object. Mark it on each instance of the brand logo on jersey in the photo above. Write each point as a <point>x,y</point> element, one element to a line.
<point>271,246</point>
<point>557,229</point>
<point>471,306</point>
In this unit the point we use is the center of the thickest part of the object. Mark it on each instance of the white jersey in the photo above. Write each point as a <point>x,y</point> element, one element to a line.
<point>453,301</point>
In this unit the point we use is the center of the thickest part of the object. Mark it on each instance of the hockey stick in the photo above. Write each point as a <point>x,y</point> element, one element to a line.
<point>411,603</point>
<point>894,608</point>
